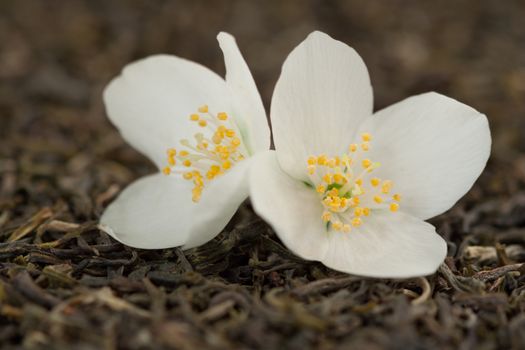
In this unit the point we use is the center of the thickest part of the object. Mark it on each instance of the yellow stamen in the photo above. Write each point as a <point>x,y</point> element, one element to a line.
<point>194,117</point>
<point>222,116</point>
<point>394,207</point>
<point>203,123</point>
<point>342,186</point>
<point>166,170</point>
<point>203,109</point>
<point>386,187</point>
<point>338,225</point>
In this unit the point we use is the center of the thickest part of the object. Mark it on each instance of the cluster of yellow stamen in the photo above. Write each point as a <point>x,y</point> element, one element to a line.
<point>348,191</point>
<point>215,151</point>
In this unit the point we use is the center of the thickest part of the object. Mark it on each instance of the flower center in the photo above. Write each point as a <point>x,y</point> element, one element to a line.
<point>347,188</point>
<point>215,150</point>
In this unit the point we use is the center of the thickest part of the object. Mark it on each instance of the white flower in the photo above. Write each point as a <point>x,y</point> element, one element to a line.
<point>351,188</point>
<point>201,131</point>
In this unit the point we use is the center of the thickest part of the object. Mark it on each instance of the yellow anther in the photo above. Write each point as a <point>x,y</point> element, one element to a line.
<point>320,189</point>
<point>366,211</point>
<point>359,182</point>
<point>226,164</point>
<point>312,160</point>
<point>326,216</point>
<point>172,152</point>
<point>358,211</point>
<point>366,163</point>
<point>375,181</point>
<point>386,187</point>
<point>352,148</point>
<point>202,145</point>
<point>365,146</point>
<point>194,117</point>
<point>378,199</point>
<point>203,109</point>
<point>217,138</point>
<point>311,169</point>
<point>321,160</point>
<point>171,160</point>
<point>166,170</point>
<point>327,178</point>
<point>396,197</point>
<point>356,200</point>
<point>230,133</point>
<point>183,153</point>
<point>347,228</point>
<point>203,123</point>
<point>188,176</point>
<point>222,116</point>
<point>356,222</point>
<point>186,163</point>
<point>338,225</point>
<point>338,178</point>
<point>236,141</point>
<point>366,137</point>
<point>394,207</point>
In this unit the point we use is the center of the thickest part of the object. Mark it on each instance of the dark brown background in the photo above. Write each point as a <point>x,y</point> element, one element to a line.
<point>65,285</point>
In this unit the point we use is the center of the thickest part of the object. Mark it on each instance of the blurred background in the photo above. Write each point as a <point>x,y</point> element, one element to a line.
<point>58,150</point>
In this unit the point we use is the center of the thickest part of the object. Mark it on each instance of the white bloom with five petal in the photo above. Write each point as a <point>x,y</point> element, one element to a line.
<point>201,131</point>
<point>351,188</point>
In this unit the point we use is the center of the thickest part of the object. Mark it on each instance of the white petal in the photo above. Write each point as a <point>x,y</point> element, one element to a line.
<point>321,97</point>
<point>157,211</point>
<point>248,107</point>
<point>432,147</point>
<point>288,205</point>
<point>153,212</point>
<point>151,100</point>
<point>388,245</point>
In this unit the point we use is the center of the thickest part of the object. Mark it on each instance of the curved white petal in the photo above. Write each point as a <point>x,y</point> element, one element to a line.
<point>153,212</point>
<point>321,97</point>
<point>157,211</point>
<point>432,147</point>
<point>388,245</point>
<point>248,107</point>
<point>289,206</point>
<point>151,100</point>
